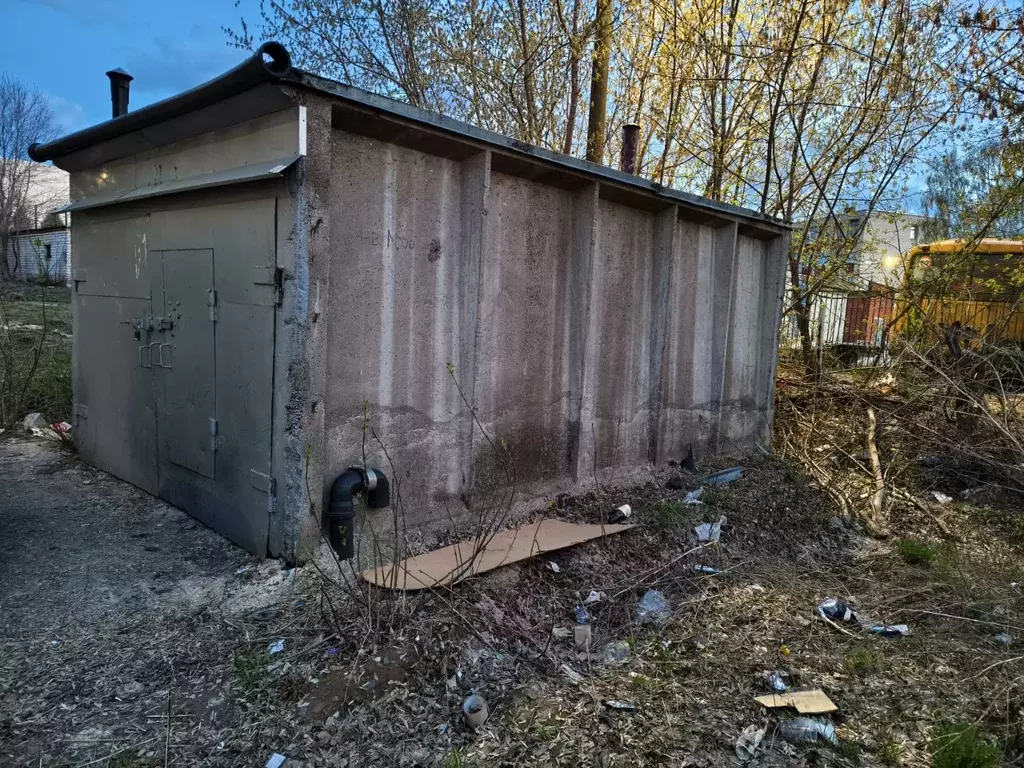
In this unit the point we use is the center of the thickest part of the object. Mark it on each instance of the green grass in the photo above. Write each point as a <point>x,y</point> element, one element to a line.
<point>248,669</point>
<point>862,661</point>
<point>916,552</point>
<point>891,753</point>
<point>668,514</point>
<point>961,746</point>
<point>453,759</point>
<point>35,352</point>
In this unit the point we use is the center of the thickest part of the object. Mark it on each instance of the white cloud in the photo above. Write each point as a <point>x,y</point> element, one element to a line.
<point>69,116</point>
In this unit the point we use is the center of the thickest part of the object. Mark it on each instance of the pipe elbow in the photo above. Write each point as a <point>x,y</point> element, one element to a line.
<point>341,508</point>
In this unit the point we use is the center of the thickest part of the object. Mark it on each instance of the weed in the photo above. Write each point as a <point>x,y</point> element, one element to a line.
<point>669,513</point>
<point>916,552</point>
<point>129,758</point>
<point>961,746</point>
<point>453,758</point>
<point>248,670</point>
<point>862,661</point>
<point>891,753</point>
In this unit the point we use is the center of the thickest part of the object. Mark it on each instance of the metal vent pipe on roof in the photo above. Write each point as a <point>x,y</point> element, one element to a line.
<point>120,83</point>
<point>630,141</point>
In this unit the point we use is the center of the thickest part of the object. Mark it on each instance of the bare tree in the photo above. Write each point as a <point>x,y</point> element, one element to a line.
<point>25,117</point>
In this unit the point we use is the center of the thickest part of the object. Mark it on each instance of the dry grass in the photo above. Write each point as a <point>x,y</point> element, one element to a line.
<point>376,678</point>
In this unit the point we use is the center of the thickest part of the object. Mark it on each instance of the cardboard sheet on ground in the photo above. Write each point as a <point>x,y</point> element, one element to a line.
<point>805,702</point>
<point>455,563</point>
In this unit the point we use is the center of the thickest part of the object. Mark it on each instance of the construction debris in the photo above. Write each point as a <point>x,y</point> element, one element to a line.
<point>805,702</point>
<point>456,562</point>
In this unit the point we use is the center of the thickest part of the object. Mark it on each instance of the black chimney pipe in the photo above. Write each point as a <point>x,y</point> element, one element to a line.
<point>630,140</point>
<point>341,510</point>
<point>119,85</point>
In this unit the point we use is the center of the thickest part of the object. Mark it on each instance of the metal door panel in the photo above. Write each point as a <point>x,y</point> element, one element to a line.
<point>182,359</point>
<point>115,421</point>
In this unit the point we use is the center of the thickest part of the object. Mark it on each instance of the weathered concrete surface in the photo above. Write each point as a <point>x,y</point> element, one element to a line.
<point>588,331</point>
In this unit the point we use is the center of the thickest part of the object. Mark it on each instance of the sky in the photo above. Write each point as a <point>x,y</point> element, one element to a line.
<point>167,45</point>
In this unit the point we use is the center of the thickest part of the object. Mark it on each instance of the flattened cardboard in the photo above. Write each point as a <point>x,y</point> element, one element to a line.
<point>806,702</point>
<point>454,563</point>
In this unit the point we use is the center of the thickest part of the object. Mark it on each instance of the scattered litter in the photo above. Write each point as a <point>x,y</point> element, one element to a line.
<point>594,597</point>
<point>448,565</point>
<point>571,673</point>
<point>777,682</point>
<point>941,497</point>
<point>332,651</point>
<point>616,653</point>
<point>561,633</point>
<point>1015,585</point>
<point>836,610</point>
<point>581,635</point>
<point>620,706</point>
<point>653,608</point>
<point>710,531</point>
<point>243,569</point>
<point>1004,638</point>
<point>693,497</point>
<point>275,647</point>
<point>475,710</point>
<point>620,513</point>
<point>891,630</point>
<point>805,702</point>
<point>710,570</point>
<point>300,603</point>
<point>722,478</point>
<point>928,461</point>
<point>582,615</point>
<point>62,428</point>
<point>700,642</point>
<point>748,742</point>
<point>552,566</point>
<point>276,760</point>
<point>804,730</point>
<point>33,421</point>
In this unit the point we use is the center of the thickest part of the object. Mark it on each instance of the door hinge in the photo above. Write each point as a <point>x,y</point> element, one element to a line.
<point>211,302</point>
<point>213,435</point>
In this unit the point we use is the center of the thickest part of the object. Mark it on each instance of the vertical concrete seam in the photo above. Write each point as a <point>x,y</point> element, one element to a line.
<point>591,253</point>
<point>475,200</point>
<point>730,253</point>
<point>663,271</point>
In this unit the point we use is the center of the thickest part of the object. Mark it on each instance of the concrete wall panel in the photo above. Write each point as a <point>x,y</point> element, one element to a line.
<point>397,298</point>
<point>588,334</point>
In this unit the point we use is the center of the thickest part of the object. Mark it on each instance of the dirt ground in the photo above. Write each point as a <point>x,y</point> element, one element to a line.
<point>136,637</point>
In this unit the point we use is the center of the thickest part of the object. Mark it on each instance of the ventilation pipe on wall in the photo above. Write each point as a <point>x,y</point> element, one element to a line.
<point>630,141</point>
<point>119,86</point>
<point>341,511</point>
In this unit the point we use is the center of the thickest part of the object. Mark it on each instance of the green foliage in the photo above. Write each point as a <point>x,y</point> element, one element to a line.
<point>891,753</point>
<point>916,552</point>
<point>454,758</point>
<point>961,746</point>
<point>862,661</point>
<point>248,669</point>
<point>669,514</point>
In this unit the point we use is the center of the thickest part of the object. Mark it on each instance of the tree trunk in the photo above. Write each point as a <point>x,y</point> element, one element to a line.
<point>574,78</point>
<point>599,81</point>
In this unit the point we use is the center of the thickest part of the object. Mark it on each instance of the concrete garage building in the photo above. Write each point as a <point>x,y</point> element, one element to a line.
<point>270,261</point>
